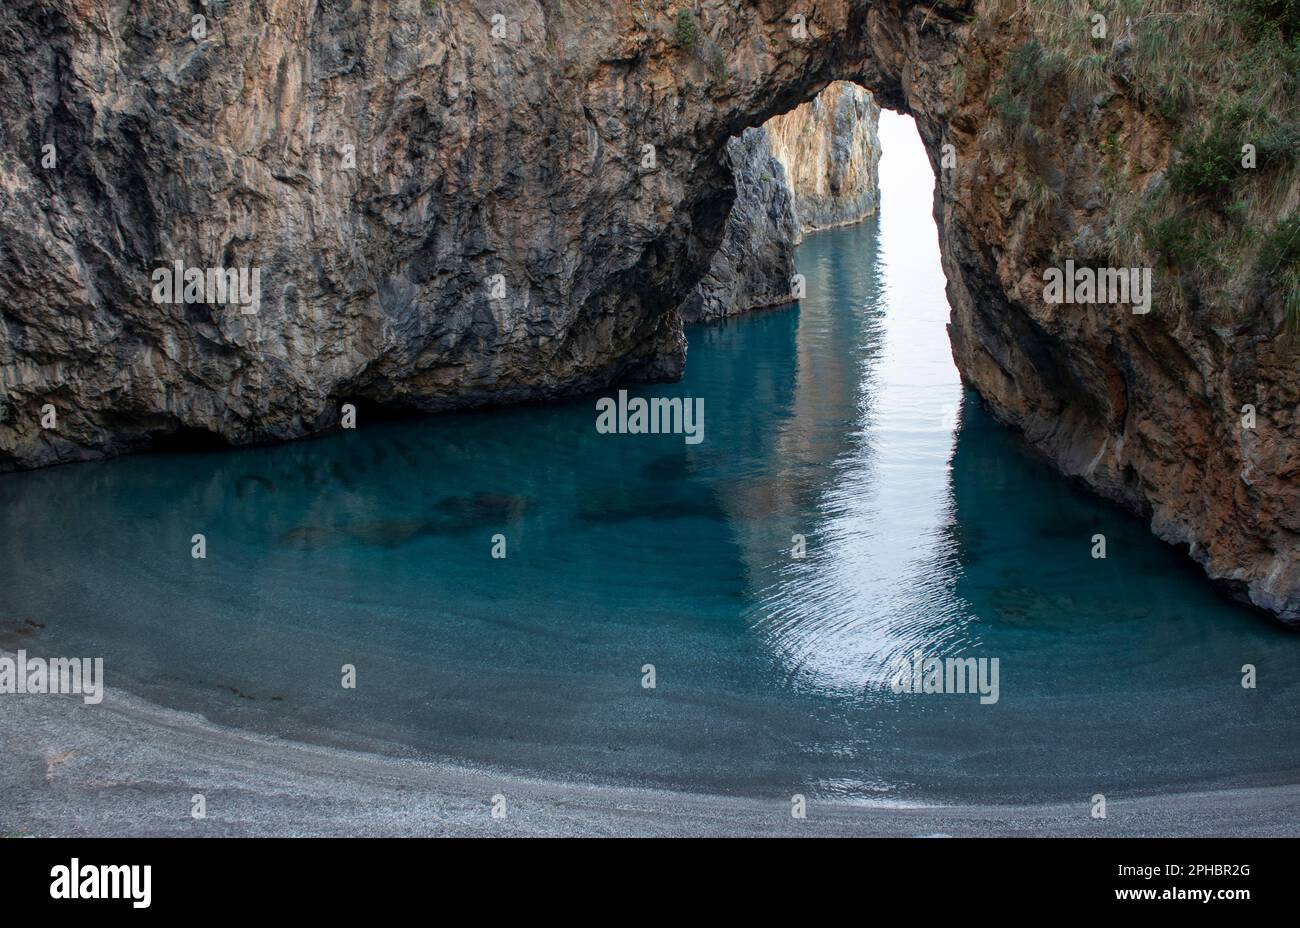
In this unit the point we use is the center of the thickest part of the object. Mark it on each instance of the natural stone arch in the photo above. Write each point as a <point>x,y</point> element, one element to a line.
<point>514,147</point>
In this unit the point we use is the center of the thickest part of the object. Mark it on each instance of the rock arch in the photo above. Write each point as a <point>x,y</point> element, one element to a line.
<point>380,161</point>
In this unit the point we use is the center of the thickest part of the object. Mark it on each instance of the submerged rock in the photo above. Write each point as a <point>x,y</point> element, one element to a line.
<point>453,515</point>
<point>484,509</point>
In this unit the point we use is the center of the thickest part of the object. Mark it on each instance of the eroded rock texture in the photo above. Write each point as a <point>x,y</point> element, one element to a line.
<point>830,153</point>
<point>754,264</point>
<point>811,168</point>
<point>381,162</point>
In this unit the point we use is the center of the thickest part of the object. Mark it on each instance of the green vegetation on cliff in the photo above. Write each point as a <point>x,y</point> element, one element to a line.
<point>1223,79</point>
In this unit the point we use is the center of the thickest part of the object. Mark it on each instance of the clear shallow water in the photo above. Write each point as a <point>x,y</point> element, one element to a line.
<point>842,419</point>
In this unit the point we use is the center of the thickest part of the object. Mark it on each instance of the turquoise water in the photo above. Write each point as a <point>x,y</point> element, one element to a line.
<point>842,419</point>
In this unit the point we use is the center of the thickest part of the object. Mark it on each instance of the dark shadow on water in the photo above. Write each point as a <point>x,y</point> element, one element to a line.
<point>454,516</point>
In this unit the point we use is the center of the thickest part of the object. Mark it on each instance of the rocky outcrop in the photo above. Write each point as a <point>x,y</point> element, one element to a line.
<point>754,264</point>
<point>830,153</point>
<point>807,169</point>
<point>457,202</point>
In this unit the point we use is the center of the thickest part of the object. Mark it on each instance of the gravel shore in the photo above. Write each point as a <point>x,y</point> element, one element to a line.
<point>127,767</point>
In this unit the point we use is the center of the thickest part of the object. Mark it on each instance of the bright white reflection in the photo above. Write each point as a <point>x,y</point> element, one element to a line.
<point>878,581</point>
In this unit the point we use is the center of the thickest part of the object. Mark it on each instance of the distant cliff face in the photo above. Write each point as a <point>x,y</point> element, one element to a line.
<point>830,153</point>
<point>464,202</point>
<point>808,169</point>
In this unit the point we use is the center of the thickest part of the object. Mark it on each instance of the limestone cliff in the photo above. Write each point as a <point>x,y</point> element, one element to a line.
<point>461,202</point>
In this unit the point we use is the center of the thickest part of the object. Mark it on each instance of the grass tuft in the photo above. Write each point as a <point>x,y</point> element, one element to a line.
<point>687,33</point>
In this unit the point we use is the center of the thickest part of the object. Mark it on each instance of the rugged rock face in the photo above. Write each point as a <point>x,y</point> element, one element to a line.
<point>830,153</point>
<point>462,202</point>
<point>807,169</point>
<point>754,264</point>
